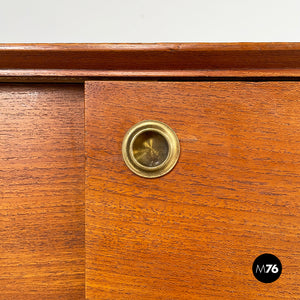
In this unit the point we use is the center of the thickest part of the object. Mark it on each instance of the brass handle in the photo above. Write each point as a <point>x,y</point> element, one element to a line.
<point>150,149</point>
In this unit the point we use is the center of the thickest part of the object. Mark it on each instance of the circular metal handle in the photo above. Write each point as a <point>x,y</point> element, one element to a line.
<point>150,149</point>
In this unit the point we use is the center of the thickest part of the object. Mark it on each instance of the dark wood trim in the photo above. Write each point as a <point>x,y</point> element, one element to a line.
<point>20,62</point>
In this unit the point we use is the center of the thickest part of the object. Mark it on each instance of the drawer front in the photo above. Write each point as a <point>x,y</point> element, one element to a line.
<point>233,195</point>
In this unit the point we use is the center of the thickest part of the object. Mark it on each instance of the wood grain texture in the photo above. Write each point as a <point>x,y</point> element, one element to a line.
<point>57,61</point>
<point>41,191</point>
<point>234,194</point>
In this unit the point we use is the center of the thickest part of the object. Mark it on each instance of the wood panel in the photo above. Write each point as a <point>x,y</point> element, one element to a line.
<point>78,61</point>
<point>41,191</point>
<point>234,194</point>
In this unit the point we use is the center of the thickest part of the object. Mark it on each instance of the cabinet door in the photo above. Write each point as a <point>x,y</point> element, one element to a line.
<point>42,192</point>
<point>233,195</point>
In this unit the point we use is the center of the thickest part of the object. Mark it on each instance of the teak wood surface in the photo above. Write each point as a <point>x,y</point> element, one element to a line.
<point>41,192</point>
<point>234,194</point>
<point>79,62</point>
<point>192,234</point>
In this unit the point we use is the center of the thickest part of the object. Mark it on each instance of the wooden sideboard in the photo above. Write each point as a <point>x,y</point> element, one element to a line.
<point>76,223</point>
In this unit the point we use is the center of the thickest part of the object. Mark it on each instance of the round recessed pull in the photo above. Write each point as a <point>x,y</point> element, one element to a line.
<point>150,149</point>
